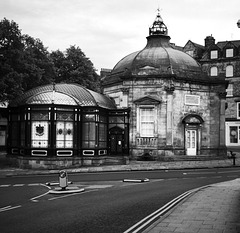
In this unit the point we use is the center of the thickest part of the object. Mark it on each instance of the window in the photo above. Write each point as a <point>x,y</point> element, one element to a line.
<point>40,134</point>
<point>214,54</point>
<point>89,131</point>
<point>238,110</point>
<point>229,52</point>
<point>102,133</point>
<point>233,133</point>
<point>229,71</point>
<point>230,90</point>
<point>190,53</point>
<point>147,122</point>
<point>214,71</point>
<point>40,129</point>
<point>64,130</point>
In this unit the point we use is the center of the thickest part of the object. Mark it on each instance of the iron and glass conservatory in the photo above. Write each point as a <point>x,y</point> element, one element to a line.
<point>66,125</point>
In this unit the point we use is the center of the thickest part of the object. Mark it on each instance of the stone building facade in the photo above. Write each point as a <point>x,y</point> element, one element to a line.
<point>176,108</point>
<point>222,60</point>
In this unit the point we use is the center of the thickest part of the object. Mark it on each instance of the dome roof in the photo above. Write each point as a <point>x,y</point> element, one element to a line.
<point>158,60</point>
<point>159,57</point>
<point>63,94</point>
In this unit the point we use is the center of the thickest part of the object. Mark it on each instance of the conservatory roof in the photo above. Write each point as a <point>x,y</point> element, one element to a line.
<point>63,94</point>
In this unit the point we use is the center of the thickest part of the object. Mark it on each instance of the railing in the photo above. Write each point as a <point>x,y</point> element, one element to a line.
<point>146,141</point>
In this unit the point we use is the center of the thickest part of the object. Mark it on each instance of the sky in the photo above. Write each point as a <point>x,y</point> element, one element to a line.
<point>108,30</point>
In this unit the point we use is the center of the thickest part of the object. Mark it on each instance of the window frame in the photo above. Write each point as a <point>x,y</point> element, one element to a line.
<point>214,71</point>
<point>228,53</point>
<point>238,110</point>
<point>214,54</point>
<point>227,72</point>
<point>146,121</point>
<point>230,125</point>
<point>229,90</point>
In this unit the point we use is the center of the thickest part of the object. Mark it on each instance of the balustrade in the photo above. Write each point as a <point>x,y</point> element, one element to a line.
<point>146,141</point>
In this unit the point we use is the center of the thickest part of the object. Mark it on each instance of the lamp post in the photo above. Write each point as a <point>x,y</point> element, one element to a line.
<point>238,23</point>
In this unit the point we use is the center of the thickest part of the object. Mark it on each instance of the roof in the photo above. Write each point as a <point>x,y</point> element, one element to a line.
<point>63,94</point>
<point>222,44</point>
<point>159,58</point>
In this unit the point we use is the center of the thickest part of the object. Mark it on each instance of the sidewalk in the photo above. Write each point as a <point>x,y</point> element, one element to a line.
<point>211,210</point>
<point>132,166</point>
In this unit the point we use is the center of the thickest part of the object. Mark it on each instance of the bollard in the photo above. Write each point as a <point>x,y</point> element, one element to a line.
<point>233,156</point>
<point>63,179</point>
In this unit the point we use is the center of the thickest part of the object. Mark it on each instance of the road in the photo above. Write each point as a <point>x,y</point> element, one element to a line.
<point>107,205</point>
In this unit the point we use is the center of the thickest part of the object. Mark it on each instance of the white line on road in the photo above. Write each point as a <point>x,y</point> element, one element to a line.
<point>6,207</point>
<point>5,185</point>
<point>34,184</point>
<point>9,208</point>
<point>18,185</point>
<point>34,198</point>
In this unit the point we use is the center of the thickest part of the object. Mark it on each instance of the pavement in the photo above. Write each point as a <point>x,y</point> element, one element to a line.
<point>212,209</point>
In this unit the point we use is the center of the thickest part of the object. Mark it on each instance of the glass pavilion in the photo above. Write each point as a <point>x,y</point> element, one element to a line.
<point>66,122</point>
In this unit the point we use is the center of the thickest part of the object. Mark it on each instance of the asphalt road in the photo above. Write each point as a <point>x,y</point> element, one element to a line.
<point>107,205</point>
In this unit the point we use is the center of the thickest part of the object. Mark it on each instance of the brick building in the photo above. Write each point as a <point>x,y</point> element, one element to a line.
<point>177,109</point>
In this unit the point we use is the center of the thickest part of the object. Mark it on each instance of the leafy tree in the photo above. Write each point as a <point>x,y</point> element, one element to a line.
<point>37,66</point>
<point>10,55</point>
<point>24,62</point>
<point>75,67</point>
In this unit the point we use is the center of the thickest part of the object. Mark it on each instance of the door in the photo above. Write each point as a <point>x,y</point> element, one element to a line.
<point>191,141</point>
<point>116,141</point>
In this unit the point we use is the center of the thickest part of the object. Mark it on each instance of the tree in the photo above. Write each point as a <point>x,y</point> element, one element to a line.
<point>10,55</point>
<point>37,67</point>
<point>24,62</point>
<point>75,67</point>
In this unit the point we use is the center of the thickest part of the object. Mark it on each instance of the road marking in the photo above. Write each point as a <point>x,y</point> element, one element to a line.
<point>73,194</point>
<point>98,186</point>
<point>34,198</point>
<point>9,208</point>
<point>19,185</point>
<point>6,207</point>
<point>33,184</point>
<point>147,221</point>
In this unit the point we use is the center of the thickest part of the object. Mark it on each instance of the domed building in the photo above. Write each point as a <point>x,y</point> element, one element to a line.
<point>175,108</point>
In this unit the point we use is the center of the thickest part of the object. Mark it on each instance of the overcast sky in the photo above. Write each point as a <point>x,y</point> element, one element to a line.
<point>108,30</point>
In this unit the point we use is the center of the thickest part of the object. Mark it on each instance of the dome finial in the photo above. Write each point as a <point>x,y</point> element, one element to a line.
<point>158,27</point>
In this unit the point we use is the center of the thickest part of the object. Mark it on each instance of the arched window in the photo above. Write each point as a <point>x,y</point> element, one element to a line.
<point>214,71</point>
<point>229,71</point>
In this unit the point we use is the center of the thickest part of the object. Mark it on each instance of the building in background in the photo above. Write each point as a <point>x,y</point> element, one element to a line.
<point>222,60</point>
<point>177,109</point>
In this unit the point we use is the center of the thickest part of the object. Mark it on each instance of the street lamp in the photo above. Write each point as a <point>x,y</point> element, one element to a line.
<point>238,23</point>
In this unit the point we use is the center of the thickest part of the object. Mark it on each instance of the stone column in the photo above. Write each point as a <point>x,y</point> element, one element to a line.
<point>222,140</point>
<point>169,135</point>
